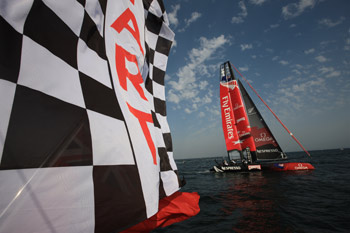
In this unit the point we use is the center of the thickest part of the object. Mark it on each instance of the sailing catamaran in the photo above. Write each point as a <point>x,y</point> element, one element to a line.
<point>250,143</point>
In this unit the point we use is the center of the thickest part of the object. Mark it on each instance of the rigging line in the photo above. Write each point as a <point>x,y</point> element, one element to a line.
<point>285,127</point>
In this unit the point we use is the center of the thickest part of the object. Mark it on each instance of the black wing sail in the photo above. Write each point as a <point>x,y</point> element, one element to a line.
<point>267,147</point>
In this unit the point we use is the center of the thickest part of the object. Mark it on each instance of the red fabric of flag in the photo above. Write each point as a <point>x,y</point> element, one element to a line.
<point>175,208</point>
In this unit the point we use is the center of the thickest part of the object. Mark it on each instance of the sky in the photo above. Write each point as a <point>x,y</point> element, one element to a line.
<point>295,53</point>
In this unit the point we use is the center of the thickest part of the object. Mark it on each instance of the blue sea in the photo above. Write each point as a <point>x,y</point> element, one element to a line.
<point>293,201</point>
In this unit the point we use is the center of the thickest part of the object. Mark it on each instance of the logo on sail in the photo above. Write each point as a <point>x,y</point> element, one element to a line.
<point>263,138</point>
<point>231,85</point>
<point>228,119</point>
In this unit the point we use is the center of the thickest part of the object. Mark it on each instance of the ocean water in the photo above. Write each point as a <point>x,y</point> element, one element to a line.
<point>294,201</point>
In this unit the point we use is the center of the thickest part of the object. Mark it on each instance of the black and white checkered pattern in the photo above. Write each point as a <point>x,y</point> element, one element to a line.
<point>159,38</point>
<point>68,160</point>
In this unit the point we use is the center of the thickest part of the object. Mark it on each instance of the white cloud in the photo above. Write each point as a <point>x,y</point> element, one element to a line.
<point>203,84</point>
<point>194,17</point>
<point>324,70</point>
<point>243,14</point>
<point>292,25</point>
<point>309,51</point>
<point>329,23</point>
<point>298,90</point>
<point>244,11</point>
<point>321,58</point>
<point>296,71</point>
<point>174,44</point>
<point>172,16</point>
<point>347,44</point>
<point>201,115</point>
<point>275,58</point>
<point>243,69</point>
<point>172,97</point>
<point>167,77</point>
<point>272,26</point>
<point>237,20</point>
<point>188,87</point>
<point>283,62</point>
<point>333,74</point>
<point>257,2</point>
<point>246,46</point>
<point>187,110</point>
<point>330,72</point>
<point>295,9</point>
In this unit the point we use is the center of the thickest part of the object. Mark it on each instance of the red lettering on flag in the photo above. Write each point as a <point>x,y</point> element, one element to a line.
<point>122,22</point>
<point>123,73</point>
<point>143,119</point>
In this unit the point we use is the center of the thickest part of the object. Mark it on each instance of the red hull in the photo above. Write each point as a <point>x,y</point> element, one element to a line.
<point>290,166</point>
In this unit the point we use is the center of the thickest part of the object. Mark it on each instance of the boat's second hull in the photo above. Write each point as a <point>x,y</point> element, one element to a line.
<point>263,167</point>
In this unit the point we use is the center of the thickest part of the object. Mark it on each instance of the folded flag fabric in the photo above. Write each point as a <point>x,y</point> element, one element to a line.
<point>175,208</point>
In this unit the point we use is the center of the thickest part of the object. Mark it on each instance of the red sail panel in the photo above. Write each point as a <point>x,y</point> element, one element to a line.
<point>228,120</point>
<point>242,123</point>
<point>248,142</point>
<point>241,117</point>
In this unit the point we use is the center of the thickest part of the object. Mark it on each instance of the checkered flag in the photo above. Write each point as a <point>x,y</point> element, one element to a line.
<point>84,145</point>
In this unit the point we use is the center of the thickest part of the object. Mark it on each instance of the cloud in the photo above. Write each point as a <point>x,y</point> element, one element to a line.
<point>329,72</point>
<point>292,25</point>
<point>244,68</point>
<point>321,58</point>
<point>275,58</point>
<point>297,91</point>
<point>174,44</point>
<point>283,62</point>
<point>243,14</point>
<point>203,85</point>
<point>329,23</point>
<point>272,26</point>
<point>194,16</point>
<point>324,70</point>
<point>257,2</point>
<point>172,16</point>
<point>333,74</point>
<point>188,89</point>
<point>309,51</point>
<point>347,44</point>
<point>172,97</point>
<point>246,46</point>
<point>237,20</point>
<point>295,9</point>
